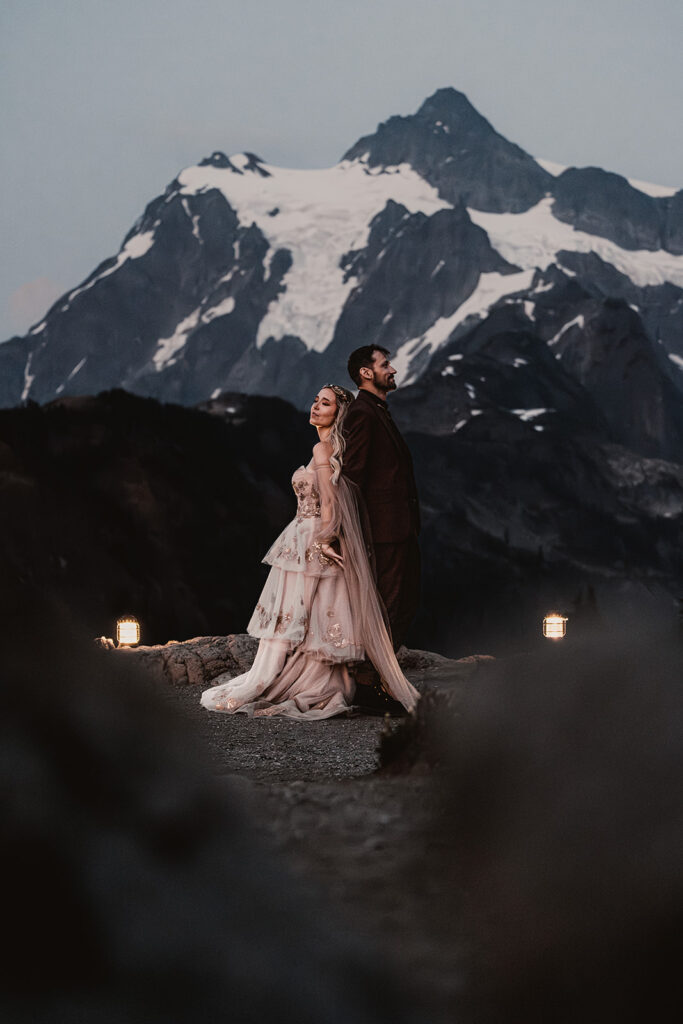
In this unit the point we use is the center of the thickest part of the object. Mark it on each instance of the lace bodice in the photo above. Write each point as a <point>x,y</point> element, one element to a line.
<point>307,496</point>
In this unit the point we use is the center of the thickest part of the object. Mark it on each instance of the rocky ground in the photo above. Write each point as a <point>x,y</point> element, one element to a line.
<point>361,833</point>
<point>511,853</point>
<point>506,854</point>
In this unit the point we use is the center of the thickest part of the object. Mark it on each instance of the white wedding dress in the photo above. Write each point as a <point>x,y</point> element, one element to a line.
<point>313,618</point>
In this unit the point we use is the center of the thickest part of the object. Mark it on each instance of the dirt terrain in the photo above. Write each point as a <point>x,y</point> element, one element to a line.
<point>366,838</point>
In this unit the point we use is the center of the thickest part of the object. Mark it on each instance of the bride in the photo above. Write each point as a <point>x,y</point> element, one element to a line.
<point>319,613</point>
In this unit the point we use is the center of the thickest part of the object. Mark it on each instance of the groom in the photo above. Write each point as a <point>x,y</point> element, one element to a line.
<point>378,461</point>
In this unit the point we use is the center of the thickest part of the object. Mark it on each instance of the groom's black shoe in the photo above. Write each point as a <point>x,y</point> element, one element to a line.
<point>373,700</point>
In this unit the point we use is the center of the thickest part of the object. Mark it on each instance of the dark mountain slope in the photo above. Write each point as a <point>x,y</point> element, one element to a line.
<point>117,504</point>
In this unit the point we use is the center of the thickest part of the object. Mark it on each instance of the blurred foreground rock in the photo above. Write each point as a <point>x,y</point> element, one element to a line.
<point>562,791</point>
<point>136,889</point>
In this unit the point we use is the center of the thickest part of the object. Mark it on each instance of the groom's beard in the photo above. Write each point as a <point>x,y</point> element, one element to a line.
<point>382,383</point>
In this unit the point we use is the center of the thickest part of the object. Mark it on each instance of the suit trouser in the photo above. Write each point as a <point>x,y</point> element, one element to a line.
<point>398,581</point>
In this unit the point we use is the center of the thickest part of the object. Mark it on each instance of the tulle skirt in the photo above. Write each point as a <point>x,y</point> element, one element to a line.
<point>283,682</point>
<point>304,621</point>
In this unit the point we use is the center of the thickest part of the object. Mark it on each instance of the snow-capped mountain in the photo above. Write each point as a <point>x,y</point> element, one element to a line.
<point>247,277</point>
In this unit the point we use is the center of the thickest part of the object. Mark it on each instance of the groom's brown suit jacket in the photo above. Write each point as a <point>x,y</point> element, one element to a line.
<point>378,461</point>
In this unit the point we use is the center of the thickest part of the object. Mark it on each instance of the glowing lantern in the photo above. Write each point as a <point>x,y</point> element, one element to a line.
<point>554,626</point>
<point>127,631</point>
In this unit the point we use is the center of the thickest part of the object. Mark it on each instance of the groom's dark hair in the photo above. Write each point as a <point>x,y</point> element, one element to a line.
<point>363,356</point>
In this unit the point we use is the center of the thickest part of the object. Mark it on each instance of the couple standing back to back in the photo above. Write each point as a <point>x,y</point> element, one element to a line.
<point>344,577</point>
<point>378,462</point>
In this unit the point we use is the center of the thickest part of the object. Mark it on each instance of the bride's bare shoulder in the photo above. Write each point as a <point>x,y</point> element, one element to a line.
<point>322,451</point>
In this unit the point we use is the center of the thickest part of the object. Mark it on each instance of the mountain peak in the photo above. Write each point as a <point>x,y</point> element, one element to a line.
<point>217,159</point>
<point>453,109</point>
<point>459,153</point>
<point>239,163</point>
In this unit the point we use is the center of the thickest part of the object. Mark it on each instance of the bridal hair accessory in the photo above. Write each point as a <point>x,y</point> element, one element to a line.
<point>339,392</point>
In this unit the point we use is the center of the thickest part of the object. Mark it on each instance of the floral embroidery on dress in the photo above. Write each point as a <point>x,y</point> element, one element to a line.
<point>227,705</point>
<point>287,553</point>
<point>264,616</point>
<point>308,500</point>
<point>266,712</point>
<point>335,636</point>
<point>282,621</point>
<point>316,551</point>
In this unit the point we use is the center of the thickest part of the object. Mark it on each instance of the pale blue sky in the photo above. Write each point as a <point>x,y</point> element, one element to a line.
<point>105,101</point>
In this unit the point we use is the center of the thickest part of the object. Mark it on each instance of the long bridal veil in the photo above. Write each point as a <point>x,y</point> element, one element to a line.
<point>368,611</point>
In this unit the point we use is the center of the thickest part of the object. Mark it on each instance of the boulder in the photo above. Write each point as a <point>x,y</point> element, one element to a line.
<point>195,662</point>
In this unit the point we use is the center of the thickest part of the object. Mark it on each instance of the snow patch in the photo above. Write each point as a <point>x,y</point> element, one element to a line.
<point>28,377</point>
<point>490,288</point>
<point>194,218</point>
<point>578,321</point>
<point>676,360</point>
<point>77,367</point>
<point>529,414</point>
<point>650,189</point>
<point>534,238</point>
<point>541,287</point>
<point>551,167</point>
<point>168,348</point>
<point>448,371</point>
<point>134,248</point>
<point>240,161</point>
<point>323,215</point>
<point>222,309</point>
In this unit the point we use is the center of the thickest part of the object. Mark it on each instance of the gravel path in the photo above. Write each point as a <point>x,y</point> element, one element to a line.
<point>371,842</point>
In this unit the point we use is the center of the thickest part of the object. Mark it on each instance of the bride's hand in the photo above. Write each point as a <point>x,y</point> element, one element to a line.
<point>334,556</point>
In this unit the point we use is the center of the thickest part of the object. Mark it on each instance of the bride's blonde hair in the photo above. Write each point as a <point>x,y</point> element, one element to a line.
<point>336,438</point>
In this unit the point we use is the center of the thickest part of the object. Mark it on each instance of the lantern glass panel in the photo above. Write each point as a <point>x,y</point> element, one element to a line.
<point>554,626</point>
<point>128,632</point>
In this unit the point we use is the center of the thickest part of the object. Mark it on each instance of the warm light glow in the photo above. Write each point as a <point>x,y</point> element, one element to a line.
<point>554,626</point>
<point>127,631</point>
